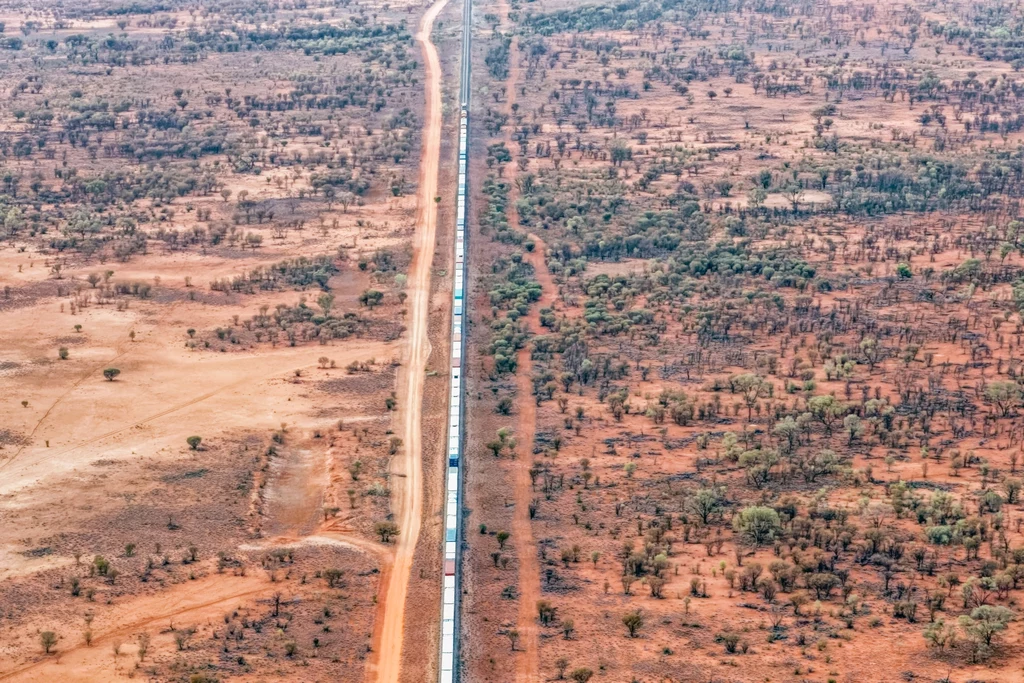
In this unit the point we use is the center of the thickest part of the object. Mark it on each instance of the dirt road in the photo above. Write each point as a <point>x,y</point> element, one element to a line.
<point>528,660</point>
<point>528,663</point>
<point>406,469</point>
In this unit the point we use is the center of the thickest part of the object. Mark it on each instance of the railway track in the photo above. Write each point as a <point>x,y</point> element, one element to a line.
<point>449,643</point>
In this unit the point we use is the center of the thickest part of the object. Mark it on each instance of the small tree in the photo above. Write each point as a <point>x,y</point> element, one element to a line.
<point>854,428</point>
<point>872,351</point>
<point>546,612</point>
<point>1012,486</point>
<point>756,197</point>
<point>795,194</point>
<point>633,621</point>
<point>386,530</point>
<point>513,637</point>
<point>758,524</point>
<point>581,675</point>
<point>827,410</point>
<point>335,577</point>
<point>111,373</point>
<point>620,152</point>
<point>568,628</point>
<point>182,638</point>
<point>752,387</point>
<point>704,503</point>
<point>730,640</point>
<point>325,301</point>
<point>940,635</point>
<point>984,623</point>
<point>797,600</point>
<point>355,469</point>
<point>47,639</point>
<point>371,297</point>
<point>1004,396</point>
<point>193,442</point>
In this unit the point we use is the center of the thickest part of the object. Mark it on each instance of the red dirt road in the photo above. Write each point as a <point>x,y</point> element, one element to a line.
<point>528,663</point>
<point>407,468</point>
<point>528,660</point>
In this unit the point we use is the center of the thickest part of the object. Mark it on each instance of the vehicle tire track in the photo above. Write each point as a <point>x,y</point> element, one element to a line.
<point>58,401</point>
<point>138,625</point>
<point>155,416</point>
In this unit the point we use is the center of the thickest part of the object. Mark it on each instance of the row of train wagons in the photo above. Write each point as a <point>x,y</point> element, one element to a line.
<point>455,399</point>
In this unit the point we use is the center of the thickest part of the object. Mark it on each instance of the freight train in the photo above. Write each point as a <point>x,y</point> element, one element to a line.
<point>449,589</point>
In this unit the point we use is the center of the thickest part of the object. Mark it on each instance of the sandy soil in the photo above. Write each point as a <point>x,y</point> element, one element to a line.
<point>147,400</point>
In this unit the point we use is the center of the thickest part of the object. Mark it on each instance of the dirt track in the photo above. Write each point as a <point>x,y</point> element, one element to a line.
<point>528,665</point>
<point>193,602</point>
<point>528,662</point>
<point>406,469</point>
<point>141,402</point>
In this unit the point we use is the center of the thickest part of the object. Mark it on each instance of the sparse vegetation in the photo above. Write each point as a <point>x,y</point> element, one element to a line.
<point>200,205</point>
<point>755,312</point>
